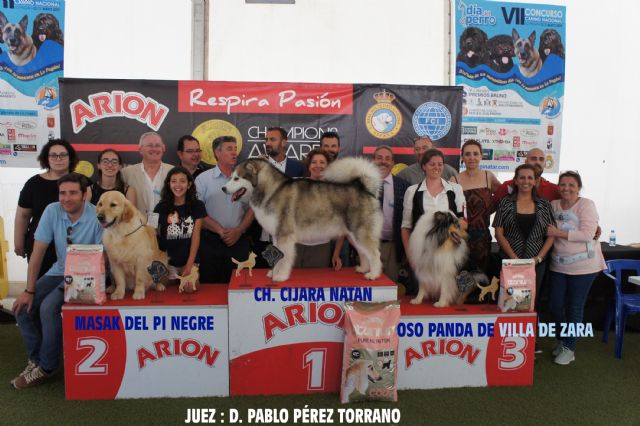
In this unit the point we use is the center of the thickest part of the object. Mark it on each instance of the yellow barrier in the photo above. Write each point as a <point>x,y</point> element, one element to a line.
<point>4,275</point>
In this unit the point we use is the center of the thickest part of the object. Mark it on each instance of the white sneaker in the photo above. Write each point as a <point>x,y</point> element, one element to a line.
<point>30,366</point>
<point>557,349</point>
<point>565,356</point>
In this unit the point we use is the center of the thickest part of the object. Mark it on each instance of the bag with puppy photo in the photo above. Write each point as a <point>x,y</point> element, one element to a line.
<point>517,285</point>
<point>369,363</point>
<point>84,278</point>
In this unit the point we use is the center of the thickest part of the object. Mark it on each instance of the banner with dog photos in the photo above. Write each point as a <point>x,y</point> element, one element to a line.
<point>96,114</point>
<point>31,60</point>
<point>510,60</point>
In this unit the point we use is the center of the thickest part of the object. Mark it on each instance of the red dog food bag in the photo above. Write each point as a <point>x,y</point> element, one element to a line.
<point>517,285</point>
<point>84,280</point>
<point>369,363</point>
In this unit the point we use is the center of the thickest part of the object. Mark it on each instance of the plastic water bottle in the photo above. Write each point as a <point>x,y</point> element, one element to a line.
<point>612,238</point>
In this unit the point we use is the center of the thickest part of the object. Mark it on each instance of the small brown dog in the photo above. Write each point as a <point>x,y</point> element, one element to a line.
<point>192,279</point>
<point>20,44</point>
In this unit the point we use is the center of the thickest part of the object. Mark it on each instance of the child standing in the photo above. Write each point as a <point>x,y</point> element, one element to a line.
<point>180,216</point>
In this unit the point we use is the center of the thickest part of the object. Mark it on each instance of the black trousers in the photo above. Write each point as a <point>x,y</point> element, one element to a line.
<point>215,257</point>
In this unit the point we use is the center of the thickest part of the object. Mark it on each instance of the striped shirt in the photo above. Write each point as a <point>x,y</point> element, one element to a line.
<point>506,218</point>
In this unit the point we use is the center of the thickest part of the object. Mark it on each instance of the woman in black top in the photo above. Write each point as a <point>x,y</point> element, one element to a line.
<point>521,222</point>
<point>58,158</point>
<point>110,177</point>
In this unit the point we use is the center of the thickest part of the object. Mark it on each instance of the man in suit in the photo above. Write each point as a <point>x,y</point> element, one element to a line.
<point>148,176</point>
<point>276,147</point>
<point>392,196</point>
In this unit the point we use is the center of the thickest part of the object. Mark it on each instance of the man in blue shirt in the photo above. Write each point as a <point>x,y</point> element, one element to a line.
<point>72,220</point>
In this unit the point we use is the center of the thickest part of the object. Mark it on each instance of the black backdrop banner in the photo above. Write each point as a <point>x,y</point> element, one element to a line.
<point>98,114</point>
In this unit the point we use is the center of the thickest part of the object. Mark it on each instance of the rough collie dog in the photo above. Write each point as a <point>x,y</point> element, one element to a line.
<point>438,250</point>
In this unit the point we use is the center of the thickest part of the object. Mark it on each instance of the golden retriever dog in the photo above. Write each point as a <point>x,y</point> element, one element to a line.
<point>130,245</point>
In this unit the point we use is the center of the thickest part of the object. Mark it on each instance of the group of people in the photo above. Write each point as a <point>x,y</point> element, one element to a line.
<point>196,220</point>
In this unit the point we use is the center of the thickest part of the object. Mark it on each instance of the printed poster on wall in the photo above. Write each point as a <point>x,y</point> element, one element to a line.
<point>510,60</point>
<point>98,114</point>
<point>31,60</point>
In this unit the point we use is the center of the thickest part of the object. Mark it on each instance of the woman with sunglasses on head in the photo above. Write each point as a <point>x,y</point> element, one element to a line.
<point>57,158</point>
<point>110,177</point>
<point>576,259</point>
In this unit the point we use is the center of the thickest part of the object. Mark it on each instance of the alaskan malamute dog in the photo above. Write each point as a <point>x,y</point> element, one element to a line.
<point>438,249</point>
<point>307,211</point>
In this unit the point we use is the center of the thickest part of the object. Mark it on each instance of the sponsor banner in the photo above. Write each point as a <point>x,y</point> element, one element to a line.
<point>510,60</point>
<point>441,348</point>
<point>288,339</point>
<point>166,346</point>
<point>31,60</point>
<point>97,114</point>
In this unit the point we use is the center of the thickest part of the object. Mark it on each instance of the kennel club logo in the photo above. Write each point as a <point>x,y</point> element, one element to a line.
<point>384,119</point>
<point>432,119</point>
<point>117,104</point>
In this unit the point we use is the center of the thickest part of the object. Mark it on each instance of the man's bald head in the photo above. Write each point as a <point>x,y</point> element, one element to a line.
<point>422,145</point>
<point>536,158</point>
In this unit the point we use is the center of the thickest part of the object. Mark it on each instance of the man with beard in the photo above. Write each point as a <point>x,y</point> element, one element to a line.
<point>330,142</point>
<point>276,147</point>
<point>71,220</point>
<point>545,189</point>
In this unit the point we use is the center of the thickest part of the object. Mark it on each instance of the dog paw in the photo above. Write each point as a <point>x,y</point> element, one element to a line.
<point>138,295</point>
<point>361,269</point>
<point>110,289</point>
<point>280,277</point>
<point>371,276</point>
<point>159,287</point>
<point>269,273</point>
<point>415,301</point>
<point>440,304</point>
<point>117,295</point>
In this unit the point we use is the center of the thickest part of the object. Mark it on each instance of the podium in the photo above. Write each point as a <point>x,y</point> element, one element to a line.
<point>288,338</point>
<point>466,345</point>
<point>167,345</point>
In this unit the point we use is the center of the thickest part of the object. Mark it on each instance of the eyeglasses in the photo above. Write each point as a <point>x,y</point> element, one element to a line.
<point>69,231</point>
<point>106,162</point>
<point>60,156</point>
<point>192,151</point>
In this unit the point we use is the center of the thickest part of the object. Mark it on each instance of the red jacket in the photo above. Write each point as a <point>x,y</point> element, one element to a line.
<point>545,189</point>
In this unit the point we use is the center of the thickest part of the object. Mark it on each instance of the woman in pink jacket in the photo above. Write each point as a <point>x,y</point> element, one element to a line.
<point>576,259</point>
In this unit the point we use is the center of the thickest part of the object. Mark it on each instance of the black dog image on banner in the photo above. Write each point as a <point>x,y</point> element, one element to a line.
<point>501,52</point>
<point>473,47</point>
<point>550,42</point>
<point>46,27</point>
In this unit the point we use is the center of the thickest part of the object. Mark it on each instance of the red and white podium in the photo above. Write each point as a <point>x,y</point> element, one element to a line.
<point>450,347</point>
<point>288,338</point>
<point>168,345</point>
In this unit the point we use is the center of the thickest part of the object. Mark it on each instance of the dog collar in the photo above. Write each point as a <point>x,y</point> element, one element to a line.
<point>141,225</point>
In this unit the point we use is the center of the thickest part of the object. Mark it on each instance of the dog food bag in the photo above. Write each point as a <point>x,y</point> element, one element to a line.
<point>84,279</point>
<point>369,363</point>
<point>517,285</point>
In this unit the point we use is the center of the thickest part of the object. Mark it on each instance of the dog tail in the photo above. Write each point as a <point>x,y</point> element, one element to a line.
<point>349,169</point>
<point>235,261</point>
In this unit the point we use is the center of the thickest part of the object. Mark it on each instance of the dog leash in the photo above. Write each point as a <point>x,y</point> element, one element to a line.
<point>141,225</point>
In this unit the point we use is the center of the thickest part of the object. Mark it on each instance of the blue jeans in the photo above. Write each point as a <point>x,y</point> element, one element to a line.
<point>42,328</point>
<point>568,296</point>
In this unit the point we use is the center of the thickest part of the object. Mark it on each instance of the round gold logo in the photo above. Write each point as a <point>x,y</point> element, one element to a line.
<point>383,120</point>
<point>208,130</point>
<point>84,167</point>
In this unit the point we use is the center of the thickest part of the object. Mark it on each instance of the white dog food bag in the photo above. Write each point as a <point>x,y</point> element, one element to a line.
<point>517,285</point>
<point>84,279</point>
<point>369,363</point>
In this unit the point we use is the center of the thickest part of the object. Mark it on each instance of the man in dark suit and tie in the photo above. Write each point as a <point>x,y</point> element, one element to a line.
<point>392,196</point>
<point>276,147</point>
